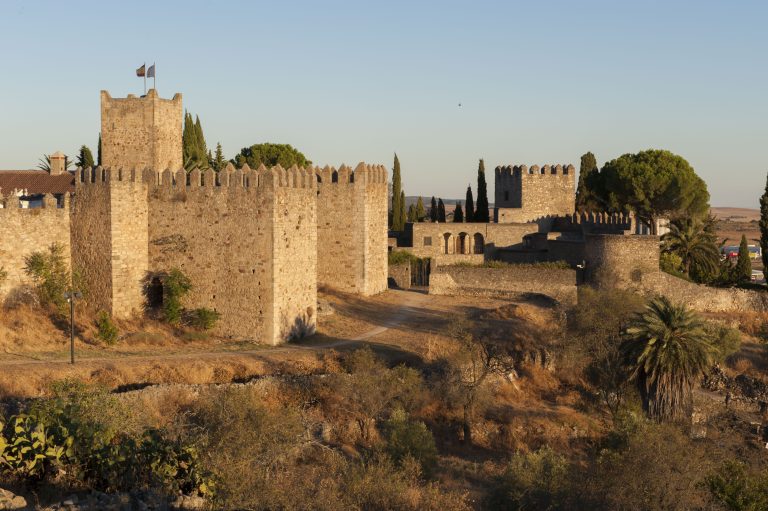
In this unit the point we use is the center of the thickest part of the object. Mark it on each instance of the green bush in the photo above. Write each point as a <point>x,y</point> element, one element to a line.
<point>407,437</point>
<point>203,318</point>
<point>537,480</point>
<point>107,330</point>
<point>725,340</point>
<point>175,288</point>
<point>52,278</point>
<point>396,257</point>
<point>735,489</point>
<point>31,448</point>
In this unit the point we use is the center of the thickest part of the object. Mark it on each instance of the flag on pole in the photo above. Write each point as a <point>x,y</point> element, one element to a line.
<point>151,71</point>
<point>140,71</point>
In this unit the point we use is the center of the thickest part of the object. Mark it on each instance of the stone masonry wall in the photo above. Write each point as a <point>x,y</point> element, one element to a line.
<point>556,283</point>
<point>109,238</point>
<point>703,298</point>
<point>141,132</point>
<point>432,239</point>
<point>23,231</point>
<point>352,228</point>
<point>399,275</point>
<point>616,260</point>
<point>246,240</point>
<point>525,194</point>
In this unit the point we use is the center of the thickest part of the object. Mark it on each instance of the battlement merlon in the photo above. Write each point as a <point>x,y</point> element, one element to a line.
<point>364,173</point>
<point>12,204</point>
<point>534,170</point>
<point>151,95</point>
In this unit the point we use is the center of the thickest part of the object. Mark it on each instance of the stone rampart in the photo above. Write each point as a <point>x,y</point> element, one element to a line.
<point>703,298</point>
<point>24,231</point>
<point>616,260</point>
<point>352,228</point>
<point>400,275</point>
<point>514,280</point>
<point>247,240</point>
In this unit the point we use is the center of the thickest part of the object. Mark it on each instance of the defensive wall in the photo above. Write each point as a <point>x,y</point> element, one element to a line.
<point>510,281</point>
<point>399,275</point>
<point>352,228</point>
<point>703,298</point>
<point>620,260</point>
<point>534,194</point>
<point>24,231</point>
<point>141,132</point>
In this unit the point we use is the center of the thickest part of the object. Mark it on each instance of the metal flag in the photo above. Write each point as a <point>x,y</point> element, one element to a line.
<point>140,71</point>
<point>151,71</point>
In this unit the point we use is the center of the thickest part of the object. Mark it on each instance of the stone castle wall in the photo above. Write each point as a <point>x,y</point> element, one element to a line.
<point>444,240</point>
<point>247,241</point>
<point>534,194</point>
<point>141,132</point>
<point>615,260</point>
<point>512,281</point>
<point>24,231</point>
<point>352,228</point>
<point>109,238</point>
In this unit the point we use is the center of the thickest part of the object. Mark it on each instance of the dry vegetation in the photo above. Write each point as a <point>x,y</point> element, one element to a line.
<point>367,414</point>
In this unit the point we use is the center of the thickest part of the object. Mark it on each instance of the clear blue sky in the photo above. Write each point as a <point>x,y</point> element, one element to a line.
<point>540,82</point>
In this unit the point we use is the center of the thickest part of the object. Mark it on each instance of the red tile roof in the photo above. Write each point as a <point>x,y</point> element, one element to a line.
<point>36,182</point>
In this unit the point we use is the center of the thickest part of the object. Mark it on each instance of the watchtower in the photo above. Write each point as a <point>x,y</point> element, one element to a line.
<point>534,194</point>
<point>141,132</point>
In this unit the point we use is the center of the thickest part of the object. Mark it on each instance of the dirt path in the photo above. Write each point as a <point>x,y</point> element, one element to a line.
<point>410,300</point>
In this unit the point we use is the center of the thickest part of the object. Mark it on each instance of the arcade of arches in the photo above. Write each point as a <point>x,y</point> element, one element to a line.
<point>463,243</point>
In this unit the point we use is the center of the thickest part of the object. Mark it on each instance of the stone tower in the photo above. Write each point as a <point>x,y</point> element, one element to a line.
<point>535,194</point>
<point>141,132</point>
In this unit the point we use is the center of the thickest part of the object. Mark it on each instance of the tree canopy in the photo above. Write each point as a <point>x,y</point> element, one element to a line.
<point>270,155</point>
<point>194,149</point>
<point>470,213</point>
<point>398,201</point>
<point>458,213</point>
<point>85,157</point>
<point>481,213</point>
<point>440,210</point>
<point>653,184</point>
<point>584,200</point>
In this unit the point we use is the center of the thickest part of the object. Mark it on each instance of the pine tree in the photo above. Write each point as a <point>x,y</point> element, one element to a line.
<point>219,162</point>
<point>98,153</point>
<point>85,158</point>
<point>398,198</point>
<point>470,214</point>
<point>481,213</point>
<point>458,213</point>
<point>440,211</point>
<point>420,213</point>
<point>588,165</point>
<point>743,270</point>
<point>764,230</point>
<point>433,214</point>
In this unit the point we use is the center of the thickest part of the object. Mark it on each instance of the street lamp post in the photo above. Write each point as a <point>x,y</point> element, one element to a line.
<point>71,296</point>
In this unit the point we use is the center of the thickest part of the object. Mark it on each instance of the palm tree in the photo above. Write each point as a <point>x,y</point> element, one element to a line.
<point>694,242</point>
<point>666,349</point>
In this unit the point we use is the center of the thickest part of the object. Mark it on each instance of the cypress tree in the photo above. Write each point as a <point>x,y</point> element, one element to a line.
<point>398,201</point>
<point>98,152</point>
<point>413,216</point>
<point>458,213</point>
<point>481,213</point>
<point>218,160</point>
<point>433,211</point>
<point>188,141</point>
<point>85,158</point>
<point>583,198</point>
<point>764,230</point>
<point>420,213</point>
<point>743,271</point>
<point>202,149</point>
<point>440,211</point>
<point>470,205</point>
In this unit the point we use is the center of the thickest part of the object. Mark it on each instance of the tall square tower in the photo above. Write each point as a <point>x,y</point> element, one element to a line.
<point>141,132</point>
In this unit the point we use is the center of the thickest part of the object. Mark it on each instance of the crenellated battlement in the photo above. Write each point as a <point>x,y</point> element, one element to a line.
<point>13,204</point>
<point>535,170</point>
<point>363,173</point>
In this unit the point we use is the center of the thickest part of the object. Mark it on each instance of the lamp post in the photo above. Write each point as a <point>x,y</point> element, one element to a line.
<point>71,296</point>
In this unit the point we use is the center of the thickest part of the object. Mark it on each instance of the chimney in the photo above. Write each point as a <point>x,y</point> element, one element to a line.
<point>58,163</point>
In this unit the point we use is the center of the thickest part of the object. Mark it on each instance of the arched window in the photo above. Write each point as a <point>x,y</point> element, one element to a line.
<point>479,244</point>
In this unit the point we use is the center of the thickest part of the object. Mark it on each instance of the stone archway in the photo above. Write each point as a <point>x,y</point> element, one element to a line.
<point>478,244</point>
<point>448,243</point>
<point>462,243</point>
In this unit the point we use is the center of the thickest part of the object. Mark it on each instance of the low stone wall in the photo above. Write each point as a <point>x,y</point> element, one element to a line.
<point>515,280</point>
<point>400,275</point>
<point>704,298</point>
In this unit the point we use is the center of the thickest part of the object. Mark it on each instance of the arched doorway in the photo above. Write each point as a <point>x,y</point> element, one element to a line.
<point>479,244</point>
<point>462,243</point>
<point>448,243</point>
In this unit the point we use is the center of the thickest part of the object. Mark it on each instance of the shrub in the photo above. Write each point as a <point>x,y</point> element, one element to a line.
<point>107,330</point>
<point>735,489</point>
<point>175,288</point>
<point>396,257</point>
<point>29,447</point>
<point>537,480</point>
<point>407,437</point>
<point>203,318</point>
<point>725,340</point>
<point>51,276</point>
